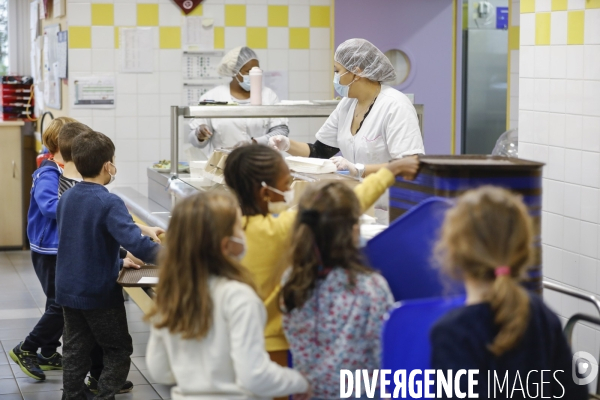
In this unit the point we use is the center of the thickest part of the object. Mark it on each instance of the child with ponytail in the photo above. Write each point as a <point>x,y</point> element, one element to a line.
<point>334,304</point>
<point>486,241</point>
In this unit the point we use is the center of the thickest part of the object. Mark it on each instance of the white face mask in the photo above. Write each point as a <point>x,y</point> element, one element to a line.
<point>241,241</point>
<point>112,177</point>
<point>275,207</point>
<point>245,83</point>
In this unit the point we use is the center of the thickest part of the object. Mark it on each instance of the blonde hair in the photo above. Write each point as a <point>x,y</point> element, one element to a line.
<point>191,255</point>
<point>489,228</point>
<point>50,135</point>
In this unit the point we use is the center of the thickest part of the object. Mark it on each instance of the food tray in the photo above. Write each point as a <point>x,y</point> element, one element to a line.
<point>129,277</point>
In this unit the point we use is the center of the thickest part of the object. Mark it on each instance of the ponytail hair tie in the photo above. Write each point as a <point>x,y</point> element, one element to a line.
<point>502,271</point>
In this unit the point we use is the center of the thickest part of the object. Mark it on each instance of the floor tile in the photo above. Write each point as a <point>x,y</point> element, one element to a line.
<point>54,395</point>
<point>140,337</point>
<point>135,327</point>
<point>6,372</point>
<point>141,392</point>
<point>7,334</point>
<point>29,385</point>
<point>163,390</point>
<point>20,313</point>
<point>139,362</point>
<point>147,376</point>
<point>137,378</point>
<point>24,323</point>
<point>139,350</point>
<point>13,396</point>
<point>8,386</point>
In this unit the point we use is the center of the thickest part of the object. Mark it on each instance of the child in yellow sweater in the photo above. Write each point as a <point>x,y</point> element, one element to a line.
<point>261,180</point>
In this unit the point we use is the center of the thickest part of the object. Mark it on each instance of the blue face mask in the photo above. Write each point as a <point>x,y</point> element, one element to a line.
<point>341,89</point>
<point>245,84</point>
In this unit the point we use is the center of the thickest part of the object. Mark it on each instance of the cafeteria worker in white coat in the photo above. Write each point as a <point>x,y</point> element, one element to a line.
<point>373,123</point>
<point>227,132</point>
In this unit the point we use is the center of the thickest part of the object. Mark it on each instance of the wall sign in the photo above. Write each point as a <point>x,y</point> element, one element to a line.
<point>187,6</point>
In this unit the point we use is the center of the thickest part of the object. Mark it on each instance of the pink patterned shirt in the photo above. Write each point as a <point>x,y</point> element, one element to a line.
<point>339,327</point>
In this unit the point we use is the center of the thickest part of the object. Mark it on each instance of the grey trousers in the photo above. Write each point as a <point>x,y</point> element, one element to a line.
<point>84,329</point>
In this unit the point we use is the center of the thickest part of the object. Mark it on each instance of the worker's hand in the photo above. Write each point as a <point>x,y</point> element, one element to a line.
<point>133,258</point>
<point>203,133</point>
<point>344,165</point>
<point>406,167</point>
<point>152,232</point>
<point>127,263</point>
<point>279,142</point>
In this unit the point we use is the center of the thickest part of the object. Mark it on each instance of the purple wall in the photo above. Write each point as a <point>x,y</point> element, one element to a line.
<point>423,30</point>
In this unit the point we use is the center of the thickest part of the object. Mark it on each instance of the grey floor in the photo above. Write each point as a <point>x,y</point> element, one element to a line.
<point>21,305</point>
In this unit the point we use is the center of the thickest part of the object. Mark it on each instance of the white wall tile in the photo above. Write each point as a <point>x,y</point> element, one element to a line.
<point>573,166</point>
<point>540,127</point>
<point>556,129</point>
<point>80,14</point>
<point>552,229</point>
<point>526,150</point>
<point>299,95</point>
<point>148,105</point>
<point>592,27</point>
<point>572,234</point>
<point>574,100</point>
<point>103,60</point>
<point>148,128</point>
<point>527,29</point>
<point>514,85</point>
<point>143,173</point>
<point>126,83</point>
<point>591,133</point>
<point>319,38</point>
<point>148,83</point>
<point>590,169</point>
<point>552,261</point>
<point>591,62</point>
<point>558,33</point>
<point>165,128</point>
<point>514,61</point>
<point>322,60</point>
<point>80,60</point>
<point>299,60</point>
<point>570,270</point>
<point>573,131</point>
<point>126,128</point>
<point>543,6</point>
<point>78,113</point>
<point>541,94</point>
<point>576,4</point>
<point>542,62</point>
<point>125,14</point>
<point>589,240</point>
<point>558,62</point>
<point>169,15</point>
<point>170,83</point>
<point>235,36</point>
<point>591,97</point>
<point>105,125</point>
<point>278,60</point>
<point>527,93</point>
<point>299,81</point>
<point>103,37</point>
<point>553,196</point>
<point>558,91</point>
<point>106,112</point>
<point>574,62</point>
<point>515,13</point>
<point>299,16</point>
<point>166,101</point>
<point>279,38</point>
<point>126,105</point>
<point>589,204</point>
<point>572,201</point>
<point>527,61</point>
<point>263,59</point>
<point>148,150</point>
<point>320,81</point>
<point>257,15</point>
<point>170,60</point>
<point>555,169</point>
<point>125,152</point>
<point>526,127</point>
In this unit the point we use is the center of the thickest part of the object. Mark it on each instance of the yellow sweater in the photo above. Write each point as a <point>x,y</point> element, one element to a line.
<point>267,241</point>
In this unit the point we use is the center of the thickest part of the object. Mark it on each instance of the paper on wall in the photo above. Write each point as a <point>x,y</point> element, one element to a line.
<point>34,18</point>
<point>94,92</point>
<point>202,66</point>
<point>136,46</point>
<point>199,33</point>
<point>62,54</point>
<point>58,8</point>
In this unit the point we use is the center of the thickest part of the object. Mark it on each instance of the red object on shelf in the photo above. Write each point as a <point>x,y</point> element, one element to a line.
<point>16,102</point>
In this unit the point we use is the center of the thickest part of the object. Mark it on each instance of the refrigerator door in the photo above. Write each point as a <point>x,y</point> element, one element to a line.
<point>484,83</point>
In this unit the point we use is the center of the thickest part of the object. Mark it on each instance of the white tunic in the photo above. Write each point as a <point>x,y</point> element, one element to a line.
<point>390,131</point>
<point>231,361</point>
<point>227,132</point>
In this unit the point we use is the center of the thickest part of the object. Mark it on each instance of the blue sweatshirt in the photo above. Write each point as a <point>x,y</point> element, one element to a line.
<point>92,225</point>
<point>41,216</point>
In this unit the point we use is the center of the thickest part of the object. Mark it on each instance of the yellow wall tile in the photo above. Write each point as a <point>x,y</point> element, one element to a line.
<point>80,37</point>
<point>103,14</point>
<point>514,33</point>
<point>319,16</point>
<point>116,37</point>
<point>592,4</point>
<point>299,38</point>
<point>219,37</point>
<point>169,37</point>
<point>542,29</point>
<point>147,14</point>
<point>197,12</point>
<point>235,15</point>
<point>527,6</point>
<point>575,24</point>
<point>256,38</point>
<point>559,5</point>
<point>278,16</point>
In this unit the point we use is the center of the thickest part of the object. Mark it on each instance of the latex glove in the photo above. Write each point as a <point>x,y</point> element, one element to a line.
<point>344,165</point>
<point>203,133</point>
<point>127,263</point>
<point>279,142</point>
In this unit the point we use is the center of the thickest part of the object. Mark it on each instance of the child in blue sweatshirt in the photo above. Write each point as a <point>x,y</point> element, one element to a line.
<point>92,224</point>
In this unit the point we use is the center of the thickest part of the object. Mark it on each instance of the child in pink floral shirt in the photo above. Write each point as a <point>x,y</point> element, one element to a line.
<point>334,306</point>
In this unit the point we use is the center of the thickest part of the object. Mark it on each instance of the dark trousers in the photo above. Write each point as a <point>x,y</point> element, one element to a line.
<point>84,329</point>
<point>47,332</point>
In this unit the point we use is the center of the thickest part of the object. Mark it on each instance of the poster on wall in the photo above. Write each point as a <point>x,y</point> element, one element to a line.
<point>62,54</point>
<point>137,50</point>
<point>94,91</point>
<point>201,65</point>
<point>187,6</point>
<point>52,83</point>
<point>58,8</point>
<point>278,81</point>
<point>199,33</point>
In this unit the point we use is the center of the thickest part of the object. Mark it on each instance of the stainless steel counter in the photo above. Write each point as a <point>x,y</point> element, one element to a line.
<point>150,212</point>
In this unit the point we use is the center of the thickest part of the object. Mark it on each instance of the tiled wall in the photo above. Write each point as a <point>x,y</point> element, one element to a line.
<point>293,35</point>
<point>559,124</point>
<point>512,118</point>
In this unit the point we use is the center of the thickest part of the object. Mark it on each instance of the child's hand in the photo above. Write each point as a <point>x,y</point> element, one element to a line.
<point>406,167</point>
<point>127,263</point>
<point>152,232</point>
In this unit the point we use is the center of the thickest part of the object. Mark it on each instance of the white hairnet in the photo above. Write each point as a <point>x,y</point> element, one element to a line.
<point>233,61</point>
<point>360,54</point>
